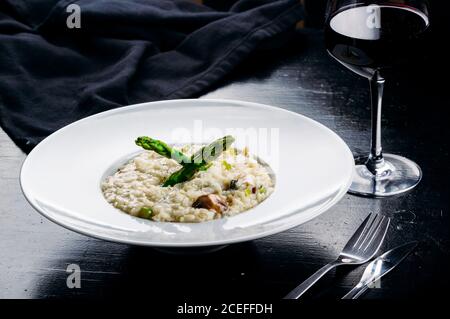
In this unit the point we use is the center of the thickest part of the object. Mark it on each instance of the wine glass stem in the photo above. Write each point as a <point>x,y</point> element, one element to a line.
<point>375,162</point>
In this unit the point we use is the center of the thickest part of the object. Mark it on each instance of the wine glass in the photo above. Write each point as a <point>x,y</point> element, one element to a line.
<point>372,38</point>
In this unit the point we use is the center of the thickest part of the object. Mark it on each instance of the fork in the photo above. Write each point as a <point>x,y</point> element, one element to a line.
<point>362,247</point>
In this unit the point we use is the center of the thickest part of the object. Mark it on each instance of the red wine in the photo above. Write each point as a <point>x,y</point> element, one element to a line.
<point>374,38</point>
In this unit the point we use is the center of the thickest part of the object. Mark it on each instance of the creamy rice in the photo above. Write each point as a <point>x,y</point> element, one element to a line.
<point>137,186</point>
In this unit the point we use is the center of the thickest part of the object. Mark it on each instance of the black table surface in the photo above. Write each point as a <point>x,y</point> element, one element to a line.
<point>34,252</point>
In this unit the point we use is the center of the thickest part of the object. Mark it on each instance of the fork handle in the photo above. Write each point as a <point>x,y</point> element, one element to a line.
<point>308,283</point>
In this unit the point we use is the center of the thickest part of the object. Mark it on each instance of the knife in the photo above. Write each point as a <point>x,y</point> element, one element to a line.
<point>380,267</point>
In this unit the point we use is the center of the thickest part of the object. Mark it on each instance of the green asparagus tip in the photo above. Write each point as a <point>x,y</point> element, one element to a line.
<point>142,141</point>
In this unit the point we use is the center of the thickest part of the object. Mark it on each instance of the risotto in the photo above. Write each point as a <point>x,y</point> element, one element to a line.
<point>232,183</point>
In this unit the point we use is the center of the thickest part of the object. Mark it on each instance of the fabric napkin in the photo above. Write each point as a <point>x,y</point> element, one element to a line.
<point>61,61</point>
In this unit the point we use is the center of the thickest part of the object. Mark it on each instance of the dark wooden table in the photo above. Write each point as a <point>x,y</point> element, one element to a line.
<point>34,253</point>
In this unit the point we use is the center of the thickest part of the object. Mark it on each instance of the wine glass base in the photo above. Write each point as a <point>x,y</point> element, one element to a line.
<point>399,176</point>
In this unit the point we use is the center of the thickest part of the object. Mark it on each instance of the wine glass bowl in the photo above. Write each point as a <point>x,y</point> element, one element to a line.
<point>371,38</point>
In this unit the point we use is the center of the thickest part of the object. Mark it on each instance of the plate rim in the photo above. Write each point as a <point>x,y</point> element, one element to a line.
<point>320,209</point>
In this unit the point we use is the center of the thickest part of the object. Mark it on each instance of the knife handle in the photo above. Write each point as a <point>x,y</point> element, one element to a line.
<point>357,291</point>
<point>304,286</point>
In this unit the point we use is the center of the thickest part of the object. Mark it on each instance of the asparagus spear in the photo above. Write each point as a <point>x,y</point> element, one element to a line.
<point>201,160</point>
<point>162,149</point>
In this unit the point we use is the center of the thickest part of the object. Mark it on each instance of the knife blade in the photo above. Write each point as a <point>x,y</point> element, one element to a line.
<point>379,267</point>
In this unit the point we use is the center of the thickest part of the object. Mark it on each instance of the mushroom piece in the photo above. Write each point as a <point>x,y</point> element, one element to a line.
<point>211,202</point>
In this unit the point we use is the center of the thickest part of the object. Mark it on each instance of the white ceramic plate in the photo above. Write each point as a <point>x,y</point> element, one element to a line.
<point>61,177</point>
